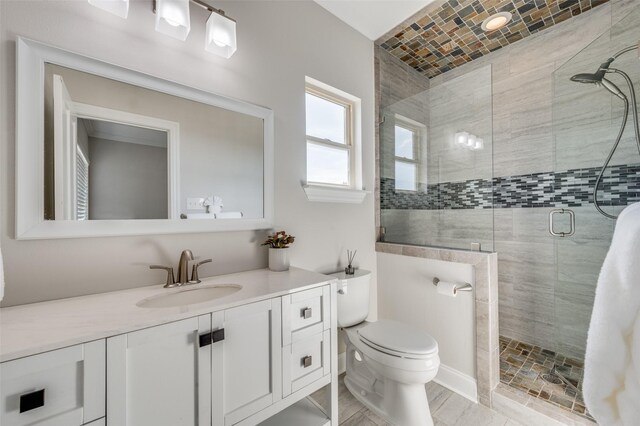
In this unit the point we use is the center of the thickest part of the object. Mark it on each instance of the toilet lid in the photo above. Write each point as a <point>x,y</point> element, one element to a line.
<point>399,337</point>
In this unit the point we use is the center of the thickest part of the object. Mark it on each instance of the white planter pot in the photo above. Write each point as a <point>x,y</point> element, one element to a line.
<point>279,259</point>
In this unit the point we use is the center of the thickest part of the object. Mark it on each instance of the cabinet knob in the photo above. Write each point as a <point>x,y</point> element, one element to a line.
<point>32,400</point>
<point>305,313</point>
<point>307,361</point>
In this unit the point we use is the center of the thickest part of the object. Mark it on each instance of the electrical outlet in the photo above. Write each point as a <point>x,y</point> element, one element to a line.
<point>195,204</point>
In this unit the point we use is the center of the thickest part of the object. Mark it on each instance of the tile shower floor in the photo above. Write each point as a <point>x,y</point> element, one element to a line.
<point>529,369</point>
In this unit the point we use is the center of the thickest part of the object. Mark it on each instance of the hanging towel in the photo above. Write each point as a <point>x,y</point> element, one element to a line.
<point>612,363</point>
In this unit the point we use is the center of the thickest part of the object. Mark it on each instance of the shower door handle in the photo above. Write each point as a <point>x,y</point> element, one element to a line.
<point>572,222</point>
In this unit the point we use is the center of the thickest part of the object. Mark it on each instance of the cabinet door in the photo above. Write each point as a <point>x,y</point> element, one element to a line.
<point>160,376</point>
<point>246,367</point>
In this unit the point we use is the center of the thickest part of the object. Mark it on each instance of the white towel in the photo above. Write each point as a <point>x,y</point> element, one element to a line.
<point>612,362</point>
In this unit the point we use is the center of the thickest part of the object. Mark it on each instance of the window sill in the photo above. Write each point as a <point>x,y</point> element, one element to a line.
<point>328,194</point>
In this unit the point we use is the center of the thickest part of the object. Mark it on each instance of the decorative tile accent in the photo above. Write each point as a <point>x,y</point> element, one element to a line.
<point>451,35</point>
<point>524,367</point>
<point>572,188</point>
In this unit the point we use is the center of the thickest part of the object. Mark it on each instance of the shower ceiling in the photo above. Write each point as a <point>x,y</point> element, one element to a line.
<point>446,36</point>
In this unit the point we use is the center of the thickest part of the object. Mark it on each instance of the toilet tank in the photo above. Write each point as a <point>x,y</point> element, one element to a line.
<point>353,297</point>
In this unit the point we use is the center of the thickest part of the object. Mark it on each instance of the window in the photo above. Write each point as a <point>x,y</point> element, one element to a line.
<point>408,138</point>
<point>329,141</point>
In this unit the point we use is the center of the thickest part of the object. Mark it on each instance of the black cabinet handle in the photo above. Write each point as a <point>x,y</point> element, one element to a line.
<point>31,401</point>
<point>212,337</point>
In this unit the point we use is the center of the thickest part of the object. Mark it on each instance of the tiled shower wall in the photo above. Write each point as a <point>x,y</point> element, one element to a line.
<point>543,127</point>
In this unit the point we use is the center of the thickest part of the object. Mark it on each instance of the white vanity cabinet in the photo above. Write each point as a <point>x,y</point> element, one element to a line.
<point>160,375</point>
<point>230,358</point>
<point>252,361</point>
<point>64,387</point>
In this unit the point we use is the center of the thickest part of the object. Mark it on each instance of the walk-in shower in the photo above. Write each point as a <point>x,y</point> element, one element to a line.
<point>598,78</point>
<point>547,147</point>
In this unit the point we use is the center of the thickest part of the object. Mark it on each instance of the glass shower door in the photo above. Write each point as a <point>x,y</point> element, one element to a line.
<point>586,121</point>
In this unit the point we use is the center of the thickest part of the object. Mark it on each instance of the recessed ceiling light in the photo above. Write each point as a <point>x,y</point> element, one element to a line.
<point>497,21</point>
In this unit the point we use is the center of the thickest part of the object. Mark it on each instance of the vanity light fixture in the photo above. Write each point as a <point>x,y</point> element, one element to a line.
<point>117,7</point>
<point>496,21</point>
<point>468,140</point>
<point>221,34</point>
<point>172,18</point>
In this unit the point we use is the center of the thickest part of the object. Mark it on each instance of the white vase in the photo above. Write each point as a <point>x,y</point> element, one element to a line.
<point>279,259</point>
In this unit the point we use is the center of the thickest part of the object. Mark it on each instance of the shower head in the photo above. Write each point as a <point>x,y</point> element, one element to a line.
<point>598,79</point>
<point>587,78</point>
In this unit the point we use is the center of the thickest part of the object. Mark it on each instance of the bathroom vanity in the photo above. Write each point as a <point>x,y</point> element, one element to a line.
<point>249,354</point>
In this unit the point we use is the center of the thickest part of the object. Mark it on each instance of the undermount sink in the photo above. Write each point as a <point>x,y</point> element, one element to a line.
<point>189,296</point>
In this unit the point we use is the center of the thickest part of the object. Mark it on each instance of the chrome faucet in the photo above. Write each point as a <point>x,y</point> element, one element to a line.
<point>183,267</point>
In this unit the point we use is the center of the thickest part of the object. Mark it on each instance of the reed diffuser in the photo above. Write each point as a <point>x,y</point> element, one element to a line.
<point>350,270</point>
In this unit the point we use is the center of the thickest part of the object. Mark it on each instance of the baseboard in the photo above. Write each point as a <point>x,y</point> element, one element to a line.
<point>458,382</point>
<point>342,362</point>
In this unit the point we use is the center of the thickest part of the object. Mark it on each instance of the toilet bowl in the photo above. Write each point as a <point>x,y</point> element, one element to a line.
<point>388,362</point>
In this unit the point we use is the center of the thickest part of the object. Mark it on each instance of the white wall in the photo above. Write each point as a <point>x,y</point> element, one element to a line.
<point>406,293</point>
<point>278,44</point>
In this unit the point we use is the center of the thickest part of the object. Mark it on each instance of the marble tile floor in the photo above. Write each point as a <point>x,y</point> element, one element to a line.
<point>447,409</point>
<point>524,367</point>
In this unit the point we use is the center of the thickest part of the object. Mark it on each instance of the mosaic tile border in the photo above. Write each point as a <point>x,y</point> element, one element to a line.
<point>572,188</point>
<point>522,366</point>
<point>450,35</point>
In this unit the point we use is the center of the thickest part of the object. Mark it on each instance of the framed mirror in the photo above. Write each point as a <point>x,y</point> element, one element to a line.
<point>103,150</point>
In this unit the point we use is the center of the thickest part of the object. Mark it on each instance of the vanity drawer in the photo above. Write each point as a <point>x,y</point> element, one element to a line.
<point>64,387</point>
<point>305,314</point>
<point>306,361</point>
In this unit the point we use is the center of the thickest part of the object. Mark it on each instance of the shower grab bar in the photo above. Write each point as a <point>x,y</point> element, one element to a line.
<point>572,222</point>
<point>464,287</point>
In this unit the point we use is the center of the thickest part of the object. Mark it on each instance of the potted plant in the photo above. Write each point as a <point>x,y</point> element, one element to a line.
<point>279,250</point>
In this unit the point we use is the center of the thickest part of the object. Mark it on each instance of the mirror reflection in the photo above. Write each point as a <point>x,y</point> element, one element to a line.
<point>117,151</point>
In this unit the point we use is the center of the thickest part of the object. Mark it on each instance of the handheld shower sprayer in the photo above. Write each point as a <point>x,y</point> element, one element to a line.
<point>598,78</point>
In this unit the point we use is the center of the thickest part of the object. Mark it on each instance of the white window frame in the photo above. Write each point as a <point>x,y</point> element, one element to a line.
<point>419,145</point>
<point>328,192</point>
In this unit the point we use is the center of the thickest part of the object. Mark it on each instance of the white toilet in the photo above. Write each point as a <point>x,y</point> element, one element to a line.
<point>388,362</point>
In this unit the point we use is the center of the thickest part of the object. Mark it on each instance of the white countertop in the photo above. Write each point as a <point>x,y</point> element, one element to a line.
<point>40,327</point>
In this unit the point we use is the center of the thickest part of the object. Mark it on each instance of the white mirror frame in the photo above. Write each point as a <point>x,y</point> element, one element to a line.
<point>31,57</point>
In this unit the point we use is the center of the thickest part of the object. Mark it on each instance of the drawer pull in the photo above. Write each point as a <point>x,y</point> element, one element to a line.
<point>31,401</point>
<point>307,361</point>
<point>305,313</point>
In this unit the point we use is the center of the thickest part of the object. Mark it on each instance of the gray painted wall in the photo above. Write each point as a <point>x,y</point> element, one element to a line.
<point>278,44</point>
<point>127,181</point>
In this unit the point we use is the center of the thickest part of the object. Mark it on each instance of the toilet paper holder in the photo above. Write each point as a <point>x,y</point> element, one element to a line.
<point>463,287</point>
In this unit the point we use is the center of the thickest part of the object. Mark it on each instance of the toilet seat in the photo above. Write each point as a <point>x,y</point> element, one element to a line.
<point>398,339</point>
<point>392,358</point>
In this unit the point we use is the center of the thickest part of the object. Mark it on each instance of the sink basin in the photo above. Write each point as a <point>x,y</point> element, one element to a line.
<point>189,296</point>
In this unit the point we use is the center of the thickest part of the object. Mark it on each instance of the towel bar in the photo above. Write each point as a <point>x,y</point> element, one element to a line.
<point>464,287</point>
